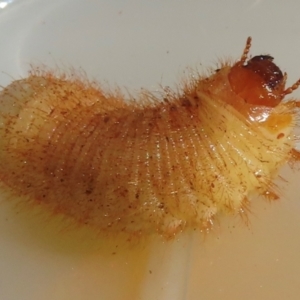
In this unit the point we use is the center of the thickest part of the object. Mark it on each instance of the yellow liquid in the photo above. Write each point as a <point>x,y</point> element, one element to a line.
<point>70,263</point>
<point>233,262</point>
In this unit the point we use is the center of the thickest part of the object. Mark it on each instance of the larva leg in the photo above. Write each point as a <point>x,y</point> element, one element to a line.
<point>270,195</point>
<point>294,154</point>
<point>245,210</point>
<point>294,158</point>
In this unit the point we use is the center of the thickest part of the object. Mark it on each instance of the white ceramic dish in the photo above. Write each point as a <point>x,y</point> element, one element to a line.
<point>144,44</point>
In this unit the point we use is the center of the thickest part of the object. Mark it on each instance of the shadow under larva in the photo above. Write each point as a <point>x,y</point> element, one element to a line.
<point>149,166</point>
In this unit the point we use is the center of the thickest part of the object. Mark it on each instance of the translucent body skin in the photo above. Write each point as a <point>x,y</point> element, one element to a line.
<point>148,166</point>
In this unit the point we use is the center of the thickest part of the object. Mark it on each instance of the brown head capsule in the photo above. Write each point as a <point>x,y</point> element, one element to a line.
<point>148,166</point>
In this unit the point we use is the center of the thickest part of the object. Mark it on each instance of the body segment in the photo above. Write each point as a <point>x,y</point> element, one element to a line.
<point>144,167</point>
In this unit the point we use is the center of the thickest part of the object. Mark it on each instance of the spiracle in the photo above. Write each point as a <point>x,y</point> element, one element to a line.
<point>149,165</point>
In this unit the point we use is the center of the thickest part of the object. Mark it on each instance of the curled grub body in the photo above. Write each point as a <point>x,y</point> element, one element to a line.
<point>148,166</point>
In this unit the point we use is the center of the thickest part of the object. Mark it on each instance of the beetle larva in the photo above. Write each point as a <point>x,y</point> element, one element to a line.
<point>149,165</point>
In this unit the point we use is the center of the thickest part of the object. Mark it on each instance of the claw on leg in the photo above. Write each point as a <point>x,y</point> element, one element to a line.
<point>294,157</point>
<point>270,196</point>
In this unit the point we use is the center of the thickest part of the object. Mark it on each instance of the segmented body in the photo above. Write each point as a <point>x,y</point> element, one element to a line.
<point>146,166</point>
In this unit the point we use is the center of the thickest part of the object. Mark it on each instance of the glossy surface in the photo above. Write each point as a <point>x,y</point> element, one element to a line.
<point>143,165</point>
<point>119,42</point>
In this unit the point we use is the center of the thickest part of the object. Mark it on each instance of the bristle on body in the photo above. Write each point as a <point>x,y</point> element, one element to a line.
<point>148,166</point>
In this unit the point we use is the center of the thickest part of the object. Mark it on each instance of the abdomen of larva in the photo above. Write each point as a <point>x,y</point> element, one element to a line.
<point>147,166</point>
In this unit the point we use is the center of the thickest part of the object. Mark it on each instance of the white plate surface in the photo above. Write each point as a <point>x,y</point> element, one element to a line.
<point>143,44</point>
